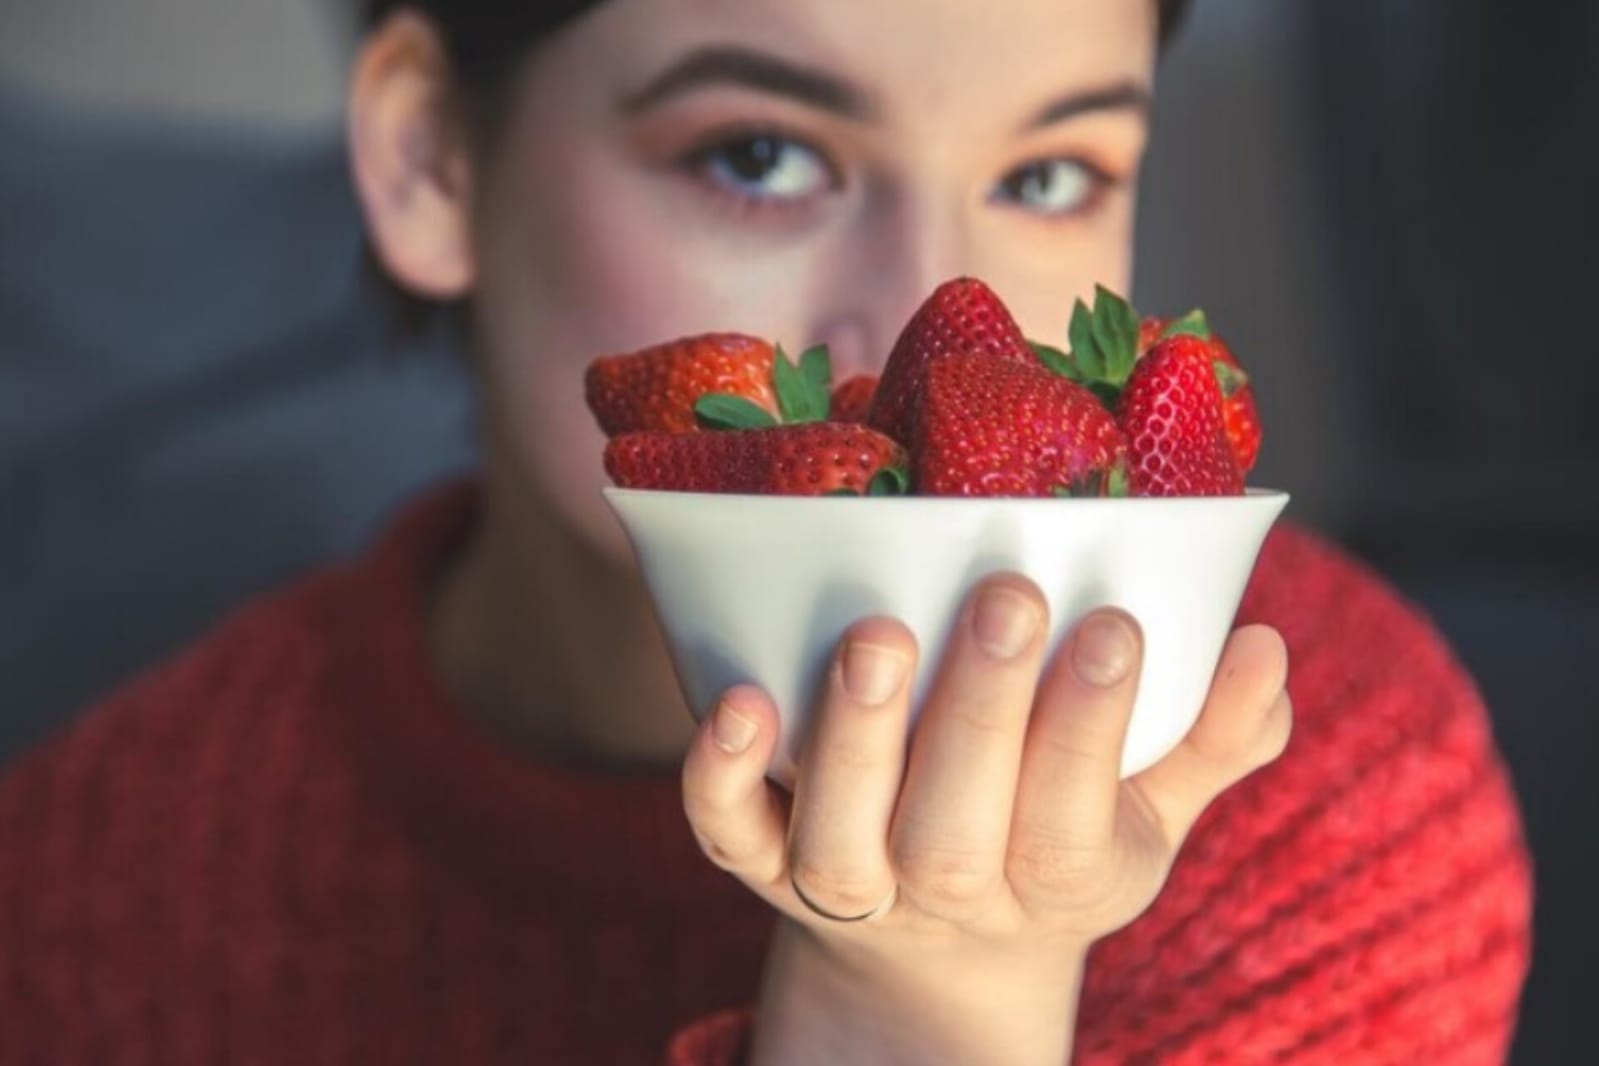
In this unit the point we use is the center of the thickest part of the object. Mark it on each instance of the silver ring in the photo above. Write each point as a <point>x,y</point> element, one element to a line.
<point>888,901</point>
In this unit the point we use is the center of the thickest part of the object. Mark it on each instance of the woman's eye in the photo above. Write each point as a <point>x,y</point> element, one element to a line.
<point>1052,186</point>
<point>766,167</point>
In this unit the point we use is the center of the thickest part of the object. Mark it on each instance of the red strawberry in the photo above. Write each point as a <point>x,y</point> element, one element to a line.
<point>992,427</point>
<point>1104,343</point>
<point>1171,413</point>
<point>1238,397</point>
<point>657,388</point>
<point>810,459</point>
<point>1150,329</point>
<point>853,399</point>
<point>960,316</point>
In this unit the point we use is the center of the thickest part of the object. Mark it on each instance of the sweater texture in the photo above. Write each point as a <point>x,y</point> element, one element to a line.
<point>289,846</point>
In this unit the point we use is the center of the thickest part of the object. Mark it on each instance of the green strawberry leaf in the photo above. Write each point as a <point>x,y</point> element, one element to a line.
<point>1230,378</point>
<point>790,386</point>
<point>1109,395</point>
<point>1085,349</point>
<point>1193,324</point>
<point>720,410</point>
<point>1117,483</point>
<point>1116,330</point>
<point>1086,487</point>
<point>1104,340</point>
<point>889,481</point>
<point>816,364</point>
<point>1095,484</point>
<point>1057,360</point>
<point>840,492</point>
<point>800,396</point>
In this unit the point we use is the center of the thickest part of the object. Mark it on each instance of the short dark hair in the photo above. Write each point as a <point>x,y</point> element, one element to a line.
<point>486,41</point>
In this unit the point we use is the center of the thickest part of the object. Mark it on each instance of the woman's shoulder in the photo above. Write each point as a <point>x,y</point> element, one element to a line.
<point>186,783</point>
<point>1375,684</point>
<point>1352,636</point>
<point>1312,590</point>
<point>270,664</point>
<point>258,706</point>
<point>1367,896</point>
<point>224,798</point>
<point>183,725</point>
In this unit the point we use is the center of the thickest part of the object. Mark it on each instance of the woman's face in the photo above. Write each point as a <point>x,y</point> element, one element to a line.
<point>803,170</point>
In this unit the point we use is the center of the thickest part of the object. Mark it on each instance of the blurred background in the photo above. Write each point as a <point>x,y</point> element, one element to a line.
<point>1392,207</point>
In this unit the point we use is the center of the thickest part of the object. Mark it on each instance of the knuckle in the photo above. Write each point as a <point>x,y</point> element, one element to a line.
<point>703,806</point>
<point>1100,887</point>
<point>852,757</point>
<point>1225,753</point>
<point>1236,752</point>
<point>1078,746</point>
<point>1238,744</point>
<point>978,712</point>
<point>1057,867</point>
<point>945,877</point>
<point>726,856</point>
<point>1276,731</point>
<point>837,889</point>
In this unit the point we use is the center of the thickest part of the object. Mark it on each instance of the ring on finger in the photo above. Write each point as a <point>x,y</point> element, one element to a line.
<point>881,908</point>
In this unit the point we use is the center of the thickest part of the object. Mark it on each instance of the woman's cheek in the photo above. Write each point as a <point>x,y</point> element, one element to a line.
<point>566,287</point>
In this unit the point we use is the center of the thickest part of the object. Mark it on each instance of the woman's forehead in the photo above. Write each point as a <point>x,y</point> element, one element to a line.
<point>926,55</point>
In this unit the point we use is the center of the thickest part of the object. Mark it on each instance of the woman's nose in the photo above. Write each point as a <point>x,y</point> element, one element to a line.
<point>851,344</point>
<point>884,269</point>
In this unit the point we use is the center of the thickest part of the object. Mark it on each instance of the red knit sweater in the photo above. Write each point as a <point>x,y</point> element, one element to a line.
<point>286,846</point>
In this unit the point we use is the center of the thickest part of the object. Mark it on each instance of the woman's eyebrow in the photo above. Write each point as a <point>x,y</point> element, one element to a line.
<point>1121,96</point>
<point>738,65</point>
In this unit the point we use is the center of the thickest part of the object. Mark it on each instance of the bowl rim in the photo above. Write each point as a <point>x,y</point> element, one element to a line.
<point>1251,494</point>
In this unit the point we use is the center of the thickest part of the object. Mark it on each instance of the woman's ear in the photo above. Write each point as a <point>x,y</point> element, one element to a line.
<point>411,159</point>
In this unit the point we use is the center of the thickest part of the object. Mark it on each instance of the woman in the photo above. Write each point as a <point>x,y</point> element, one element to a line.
<point>426,807</point>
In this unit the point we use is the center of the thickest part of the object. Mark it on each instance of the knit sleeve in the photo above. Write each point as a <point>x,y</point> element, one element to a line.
<point>721,1039</point>
<point>1365,899</point>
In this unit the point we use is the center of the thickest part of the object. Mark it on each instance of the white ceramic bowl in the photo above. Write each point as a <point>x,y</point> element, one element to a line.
<point>760,588</point>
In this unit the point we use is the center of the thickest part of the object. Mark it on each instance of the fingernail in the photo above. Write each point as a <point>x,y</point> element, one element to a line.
<point>1004,622</point>
<point>732,731</point>
<point>1102,653</point>
<point>872,673</point>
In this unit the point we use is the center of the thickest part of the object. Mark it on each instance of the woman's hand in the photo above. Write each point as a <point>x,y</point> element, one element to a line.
<point>940,906</point>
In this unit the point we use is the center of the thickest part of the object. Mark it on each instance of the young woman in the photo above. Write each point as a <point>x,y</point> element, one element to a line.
<point>444,804</point>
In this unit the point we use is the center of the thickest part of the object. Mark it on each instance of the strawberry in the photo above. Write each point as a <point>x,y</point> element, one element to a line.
<point>1109,341</point>
<point>1238,397</point>
<point>961,316</point>
<point>801,395</point>
<point>1171,412</point>
<point>1104,346</point>
<point>657,388</point>
<point>993,427</point>
<point>853,399</point>
<point>1151,329</point>
<point>810,459</point>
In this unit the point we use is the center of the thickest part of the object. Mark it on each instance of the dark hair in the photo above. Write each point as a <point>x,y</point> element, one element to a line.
<point>486,41</point>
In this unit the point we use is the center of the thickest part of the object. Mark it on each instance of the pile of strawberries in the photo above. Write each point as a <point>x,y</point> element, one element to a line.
<point>966,406</point>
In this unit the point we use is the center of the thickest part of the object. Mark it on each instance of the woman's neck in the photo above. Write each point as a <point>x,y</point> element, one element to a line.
<point>551,645</point>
